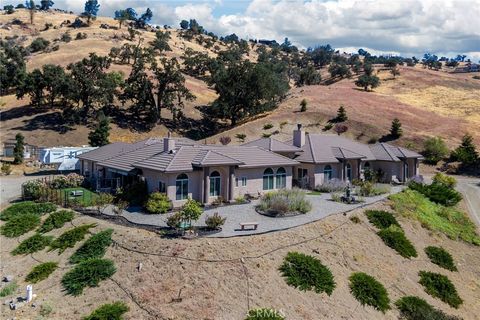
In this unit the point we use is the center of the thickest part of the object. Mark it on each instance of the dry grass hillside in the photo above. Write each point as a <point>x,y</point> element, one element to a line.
<point>223,278</point>
<point>426,102</point>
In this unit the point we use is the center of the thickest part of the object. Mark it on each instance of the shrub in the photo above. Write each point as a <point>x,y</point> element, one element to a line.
<point>80,36</point>
<point>381,219</point>
<point>174,220</point>
<point>355,219</point>
<point>267,126</point>
<point>158,203</point>
<point>135,194</point>
<point>45,310</point>
<point>69,238</point>
<point>441,257</point>
<point>241,137</point>
<point>368,291</point>
<point>369,189</point>
<point>439,286</point>
<point>56,220</point>
<point>332,185</point>
<point>303,105</point>
<point>18,225</point>
<point>307,273</point>
<point>32,189</point>
<point>27,207</point>
<point>336,197</point>
<point>284,201</point>
<point>438,193</point>
<point>224,140</point>
<point>87,274</point>
<point>6,168</point>
<point>327,127</point>
<point>394,237</point>
<point>94,248</point>
<point>440,178</point>
<point>9,289</point>
<point>110,311</point>
<point>415,308</point>
<point>39,44</point>
<point>215,222</point>
<point>240,200</point>
<point>66,37</point>
<point>72,180</point>
<point>33,244</point>
<point>41,272</point>
<point>264,314</point>
<point>450,221</point>
<point>434,150</point>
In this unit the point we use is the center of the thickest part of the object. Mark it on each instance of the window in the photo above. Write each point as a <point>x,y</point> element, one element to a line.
<point>162,188</point>
<point>182,187</point>
<point>241,182</point>
<point>366,165</point>
<point>215,184</point>
<point>349,172</point>
<point>281,178</point>
<point>327,172</point>
<point>268,179</point>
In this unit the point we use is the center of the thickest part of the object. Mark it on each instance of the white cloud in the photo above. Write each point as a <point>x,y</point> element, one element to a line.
<point>408,27</point>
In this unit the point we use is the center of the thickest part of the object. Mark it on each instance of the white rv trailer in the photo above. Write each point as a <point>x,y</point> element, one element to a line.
<point>63,158</point>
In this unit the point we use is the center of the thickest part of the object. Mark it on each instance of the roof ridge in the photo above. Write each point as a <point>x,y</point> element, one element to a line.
<point>224,155</point>
<point>173,158</point>
<point>386,150</point>
<point>311,148</point>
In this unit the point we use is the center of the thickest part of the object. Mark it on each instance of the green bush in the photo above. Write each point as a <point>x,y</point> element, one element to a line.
<point>381,219</point>
<point>438,193</point>
<point>370,189</point>
<point>9,289</point>
<point>174,220</point>
<point>69,238</point>
<point>264,314</point>
<point>355,219</point>
<point>307,273</point>
<point>368,291</point>
<point>267,126</point>
<point>394,237</point>
<point>110,311</point>
<point>87,274</point>
<point>285,201</point>
<point>434,150</point>
<point>27,207</point>
<point>439,286</point>
<point>94,247</point>
<point>450,221</point>
<point>158,203</point>
<point>215,222</point>
<point>18,225</point>
<point>441,257</point>
<point>41,272</point>
<point>39,44</point>
<point>415,308</point>
<point>448,181</point>
<point>56,220</point>
<point>33,189</point>
<point>33,244</point>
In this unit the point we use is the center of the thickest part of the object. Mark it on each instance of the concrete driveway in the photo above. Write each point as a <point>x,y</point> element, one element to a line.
<point>11,187</point>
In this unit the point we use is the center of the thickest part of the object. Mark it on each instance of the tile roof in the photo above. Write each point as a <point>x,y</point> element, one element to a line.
<point>272,144</point>
<point>388,152</point>
<point>106,152</point>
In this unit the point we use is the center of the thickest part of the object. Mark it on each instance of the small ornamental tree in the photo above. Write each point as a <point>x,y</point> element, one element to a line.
<point>434,150</point>
<point>341,114</point>
<point>340,128</point>
<point>396,129</point>
<point>18,149</point>
<point>225,140</point>
<point>191,210</point>
<point>303,105</point>
<point>99,136</point>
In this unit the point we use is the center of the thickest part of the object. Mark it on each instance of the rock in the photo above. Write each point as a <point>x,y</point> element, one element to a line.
<point>8,278</point>
<point>13,306</point>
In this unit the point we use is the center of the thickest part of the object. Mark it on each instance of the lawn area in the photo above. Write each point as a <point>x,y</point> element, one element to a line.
<point>84,199</point>
<point>448,220</point>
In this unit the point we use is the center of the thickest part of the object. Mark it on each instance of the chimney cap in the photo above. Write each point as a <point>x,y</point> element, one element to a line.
<point>169,134</point>
<point>299,126</point>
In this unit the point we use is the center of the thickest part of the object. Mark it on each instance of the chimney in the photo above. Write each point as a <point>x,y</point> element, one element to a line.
<point>168,143</point>
<point>298,136</point>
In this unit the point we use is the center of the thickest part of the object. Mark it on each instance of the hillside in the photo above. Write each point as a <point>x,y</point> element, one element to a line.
<point>426,102</point>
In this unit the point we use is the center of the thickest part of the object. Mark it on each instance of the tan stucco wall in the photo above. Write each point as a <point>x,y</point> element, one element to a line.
<point>255,180</point>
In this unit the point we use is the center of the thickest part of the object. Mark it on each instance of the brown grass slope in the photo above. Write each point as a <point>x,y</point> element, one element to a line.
<point>426,102</point>
<point>206,279</point>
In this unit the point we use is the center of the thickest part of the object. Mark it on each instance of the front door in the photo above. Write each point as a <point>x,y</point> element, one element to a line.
<point>302,177</point>
<point>215,184</point>
<point>349,172</point>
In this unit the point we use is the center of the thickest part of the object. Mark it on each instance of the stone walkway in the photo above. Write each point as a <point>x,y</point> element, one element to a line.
<point>322,207</point>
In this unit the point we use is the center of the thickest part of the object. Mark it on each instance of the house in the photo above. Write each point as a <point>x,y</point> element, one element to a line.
<point>184,169</point>
<point>326,156</point>
<point>63,158</point>
<point>30,151</point>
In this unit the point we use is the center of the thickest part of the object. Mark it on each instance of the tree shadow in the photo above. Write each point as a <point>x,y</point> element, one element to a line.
<point>51,121</point>
<point>22,111</point>
<point>387,138</point>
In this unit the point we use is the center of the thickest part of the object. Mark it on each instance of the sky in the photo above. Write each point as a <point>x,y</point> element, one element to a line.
<point>399,27</point>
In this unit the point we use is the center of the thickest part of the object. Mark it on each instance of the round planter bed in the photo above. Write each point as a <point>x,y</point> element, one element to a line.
<point>276,215</point>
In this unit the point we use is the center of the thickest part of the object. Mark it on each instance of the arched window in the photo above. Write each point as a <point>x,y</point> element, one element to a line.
<point>268,179</point>
<point>327,172</point>
<point>349,172</point>
<point>215,183</point>
<point>366,165</point>
<point>182,187</point>
<point>281,178</point>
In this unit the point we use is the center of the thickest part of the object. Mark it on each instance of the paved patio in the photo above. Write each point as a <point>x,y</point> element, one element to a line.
<point>322,207</point>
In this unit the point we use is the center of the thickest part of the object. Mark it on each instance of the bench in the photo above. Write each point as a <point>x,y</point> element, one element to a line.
<point>253,225</point>
<point>76,193</point>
